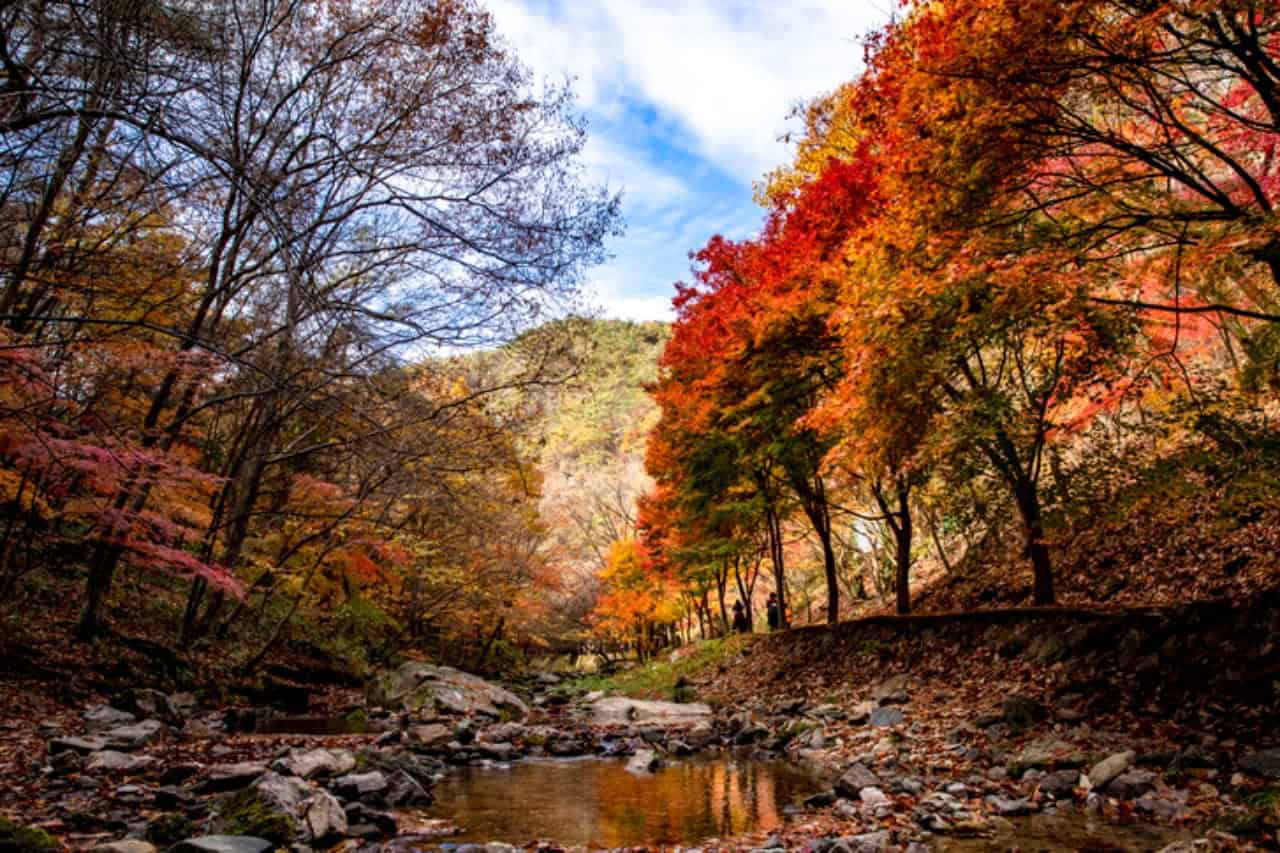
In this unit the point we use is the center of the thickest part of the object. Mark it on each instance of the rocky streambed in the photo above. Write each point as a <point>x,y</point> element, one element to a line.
<point>149,771</point>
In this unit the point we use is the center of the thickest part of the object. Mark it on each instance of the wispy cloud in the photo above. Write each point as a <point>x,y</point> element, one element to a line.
<point>687,103</point>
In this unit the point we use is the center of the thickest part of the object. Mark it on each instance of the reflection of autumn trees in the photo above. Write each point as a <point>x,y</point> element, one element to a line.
<point>601,803</point>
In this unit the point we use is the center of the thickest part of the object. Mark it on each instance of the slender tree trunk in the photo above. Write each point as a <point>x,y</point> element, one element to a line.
<point>903,556</point>
<point>776,557</point>
<point>722,581</point>
<point>1028,501</point>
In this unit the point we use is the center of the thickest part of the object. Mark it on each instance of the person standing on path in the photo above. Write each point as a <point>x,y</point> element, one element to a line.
<point>740,623</point>
<point>772,613</point>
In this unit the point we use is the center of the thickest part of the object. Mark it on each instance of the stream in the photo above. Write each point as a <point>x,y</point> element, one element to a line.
<point>599,803</point>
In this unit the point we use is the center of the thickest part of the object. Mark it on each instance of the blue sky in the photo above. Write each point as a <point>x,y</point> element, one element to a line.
<point>686,103</point>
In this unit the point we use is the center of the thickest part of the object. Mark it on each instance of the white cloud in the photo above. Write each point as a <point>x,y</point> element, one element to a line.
<point>687,100</point>
<point>728,72</point>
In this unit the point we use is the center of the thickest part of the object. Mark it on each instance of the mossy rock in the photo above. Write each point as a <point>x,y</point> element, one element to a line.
<point>249,813</point>
<point>15,838</point>
<point>170,828</point>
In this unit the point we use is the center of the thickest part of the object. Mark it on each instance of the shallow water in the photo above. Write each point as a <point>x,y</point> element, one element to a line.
<point>1066,832</point>
<point>599,803</point>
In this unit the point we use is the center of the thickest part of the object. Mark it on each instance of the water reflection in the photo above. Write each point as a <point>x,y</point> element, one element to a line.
<point>597,802</point>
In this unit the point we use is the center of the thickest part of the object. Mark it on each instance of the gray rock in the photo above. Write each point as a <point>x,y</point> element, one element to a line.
<point>885,717</point>
<point>148,703</point>
<point>136,735</point>
<point>618,709</point>
<point>1264,763</point>
<point>702,735</point>
<point>310,763</point>
<point>872,796</point>
<point>404,790</point>
<point>360,786</point>
<point>1132,784</point>
<point>323,817</point>
<point>119,762</point>
<point>99,717</point>
<point>1109,768</point>
<point>78,745</point>
<point>127,845</point>
<point>501,733</point>
<point>908,785</point>
<point>222,844</point>
<point>847,810</point>
<point>867,842</point>
<point>1046,752</point>
<point>496,751</point>
<point>1010,807</point>
<point>854,779</point>
<point>417,686</point>
<point>284,793</point>
<point>430,736</point>
<point>232,777</point>
<point>1060,784</point>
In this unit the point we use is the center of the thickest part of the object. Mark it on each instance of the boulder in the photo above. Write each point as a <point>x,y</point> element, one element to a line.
<point>361,786</point>
<point>1109,768</point>
<point>270,808</point>
<point>135,735</point>
<point>118,762</point>
<point>360,816</point>
<point>423,687</point>
<point>404,790</point>
<point>1060,784</point>
<point>1131,784</point>
<point>1264,763</point>
<point>430,736</point>
<point>310,763</point>
<point>867,842</point>
<point>222,844</point>
<point>78,745</point>
<point>885,717</point>
<point>1010,806</point>
<point>323,817</point>
<point>873,796</point>
<point>127,845</point>
<point>149,703</point>
<point>99,717</point>
<point>496,751</point>
<point>501,733</point>
<point>618,709</point>
<point>232,777</point>
<point>854,779</point>
<point>1046,753</point>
